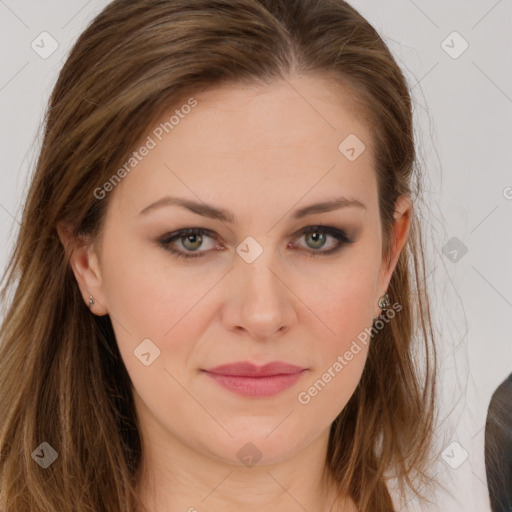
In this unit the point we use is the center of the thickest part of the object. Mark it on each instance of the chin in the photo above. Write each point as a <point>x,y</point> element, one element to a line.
<point>254,448</point>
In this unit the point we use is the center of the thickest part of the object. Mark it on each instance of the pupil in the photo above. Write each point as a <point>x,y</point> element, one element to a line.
<point>191,238</point>
<point>318,237</point>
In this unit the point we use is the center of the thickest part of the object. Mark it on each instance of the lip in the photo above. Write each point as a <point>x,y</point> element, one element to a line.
<point>248,379</point>
<point>248,369</point>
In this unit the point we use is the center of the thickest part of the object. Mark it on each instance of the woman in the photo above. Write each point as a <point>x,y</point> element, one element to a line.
<point>183,335</point>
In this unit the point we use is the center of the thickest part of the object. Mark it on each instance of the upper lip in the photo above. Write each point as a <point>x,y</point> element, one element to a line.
<point>248,369</point>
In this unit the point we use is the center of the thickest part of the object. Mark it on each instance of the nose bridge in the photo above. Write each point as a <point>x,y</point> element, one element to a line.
<point>258,280</point>
<point>264,302</point>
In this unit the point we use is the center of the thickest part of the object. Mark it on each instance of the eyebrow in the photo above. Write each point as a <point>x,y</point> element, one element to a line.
<point>221,214</point>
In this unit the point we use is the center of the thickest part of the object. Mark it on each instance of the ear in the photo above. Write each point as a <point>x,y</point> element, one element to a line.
<point>84,263</point>
<point>399,235</point>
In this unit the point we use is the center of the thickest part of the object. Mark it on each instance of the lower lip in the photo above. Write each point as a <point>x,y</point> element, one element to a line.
<point>257,386</point>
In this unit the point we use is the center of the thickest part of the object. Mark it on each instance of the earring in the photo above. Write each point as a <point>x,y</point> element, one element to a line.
<point>91,302</point>
<point>384,301</point>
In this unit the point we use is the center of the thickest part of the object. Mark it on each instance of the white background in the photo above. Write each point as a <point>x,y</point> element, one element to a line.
<point>463,110</point>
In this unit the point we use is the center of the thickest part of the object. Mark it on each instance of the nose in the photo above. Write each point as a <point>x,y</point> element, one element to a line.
<point>260,303</point>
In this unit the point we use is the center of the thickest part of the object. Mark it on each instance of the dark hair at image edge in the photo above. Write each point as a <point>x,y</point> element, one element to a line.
<point>62,379</point>
<point>498,447</point>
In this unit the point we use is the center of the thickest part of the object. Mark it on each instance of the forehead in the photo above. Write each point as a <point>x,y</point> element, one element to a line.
<point>249,146</point>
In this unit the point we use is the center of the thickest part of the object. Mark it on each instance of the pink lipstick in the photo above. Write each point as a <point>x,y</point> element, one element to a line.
<point>248,379</point>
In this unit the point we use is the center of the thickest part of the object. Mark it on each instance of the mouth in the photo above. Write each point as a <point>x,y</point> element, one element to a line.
<point>248,379</point>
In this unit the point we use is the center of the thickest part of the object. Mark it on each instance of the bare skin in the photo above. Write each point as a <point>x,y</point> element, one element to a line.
<point>261,153</point>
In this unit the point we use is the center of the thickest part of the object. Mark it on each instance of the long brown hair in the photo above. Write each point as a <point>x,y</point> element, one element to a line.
<point>62,379</point>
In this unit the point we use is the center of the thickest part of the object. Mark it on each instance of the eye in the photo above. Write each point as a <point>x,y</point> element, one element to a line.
<point>316,237</point>
<point>191,240</point>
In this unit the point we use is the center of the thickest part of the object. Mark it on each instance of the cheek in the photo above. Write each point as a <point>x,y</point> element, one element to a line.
<point>149,300</point>
<point>341,352</point>
<point>345,303</point>
<point>142,295</point>
<point>345,308</point>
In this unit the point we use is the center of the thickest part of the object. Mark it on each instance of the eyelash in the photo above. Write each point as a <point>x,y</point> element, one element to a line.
<point>339,235</point>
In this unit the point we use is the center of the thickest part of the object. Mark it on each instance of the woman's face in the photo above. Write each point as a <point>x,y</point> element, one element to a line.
<point>257,287</point>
